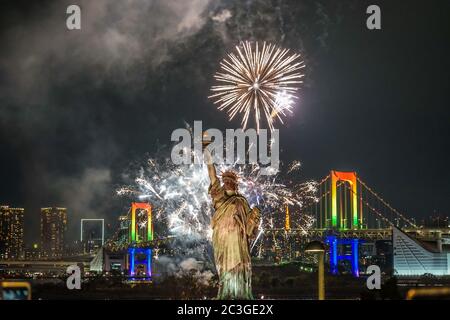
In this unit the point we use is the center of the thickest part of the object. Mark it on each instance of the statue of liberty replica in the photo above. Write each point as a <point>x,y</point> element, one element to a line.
<point>234,225</point>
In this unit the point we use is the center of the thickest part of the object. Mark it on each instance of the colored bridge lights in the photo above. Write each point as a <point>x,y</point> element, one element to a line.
<point>139,256</point>
<point>344,216</point>
<point>341,223</point>
<point>141,229</point>
<point>336,255</point>
<point>140,263</point>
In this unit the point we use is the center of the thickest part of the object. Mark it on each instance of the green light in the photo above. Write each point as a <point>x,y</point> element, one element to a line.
<point>134,237</point>
<point>133,223</point>
<point>334,220</point>
<point>349,177</point>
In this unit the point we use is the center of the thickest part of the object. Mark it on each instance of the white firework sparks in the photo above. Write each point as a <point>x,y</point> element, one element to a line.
<point>262,80</point>
<point>180,197</point>
<point>295,165</point>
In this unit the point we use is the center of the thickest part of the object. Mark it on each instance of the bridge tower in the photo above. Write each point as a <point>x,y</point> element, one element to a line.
<point>335,256</point>
<point>340,223</point>
<point>344,204</point>
<point>141,227</point>
<point>139,258</point>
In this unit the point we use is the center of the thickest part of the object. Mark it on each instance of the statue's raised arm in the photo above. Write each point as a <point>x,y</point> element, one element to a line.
<point>211,168</point>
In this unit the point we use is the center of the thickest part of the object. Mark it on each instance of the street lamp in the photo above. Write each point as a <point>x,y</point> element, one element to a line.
<point>318,248</point>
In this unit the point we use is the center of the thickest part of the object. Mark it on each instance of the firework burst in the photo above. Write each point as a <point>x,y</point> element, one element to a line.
<point>180,197</point>
<point>260,80</point>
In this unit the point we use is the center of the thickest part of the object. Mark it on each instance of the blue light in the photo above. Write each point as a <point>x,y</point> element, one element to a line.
<point>131,251</point>
<point>333,242</point>
<point>149,262</point>
<point>355,256</point>
<point>133,258</point>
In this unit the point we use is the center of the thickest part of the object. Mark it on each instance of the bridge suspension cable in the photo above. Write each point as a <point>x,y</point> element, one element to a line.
<point>372,208</point>
<point>387,204</point>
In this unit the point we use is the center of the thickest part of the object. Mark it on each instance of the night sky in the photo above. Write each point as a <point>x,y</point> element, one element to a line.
<point>77,107</point>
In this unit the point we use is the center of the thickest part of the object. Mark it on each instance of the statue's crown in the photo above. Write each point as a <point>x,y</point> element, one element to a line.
<point>230,175</point>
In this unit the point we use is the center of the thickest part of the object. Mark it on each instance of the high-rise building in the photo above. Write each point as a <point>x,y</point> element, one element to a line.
<point>53,231</point>
<point>11,233</point>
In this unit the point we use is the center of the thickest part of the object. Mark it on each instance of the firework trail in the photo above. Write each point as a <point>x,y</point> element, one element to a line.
<point>260,80</point>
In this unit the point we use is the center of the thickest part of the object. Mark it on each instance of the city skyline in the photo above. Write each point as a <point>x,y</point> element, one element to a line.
<point>71,142</point>
<point>437,221</point>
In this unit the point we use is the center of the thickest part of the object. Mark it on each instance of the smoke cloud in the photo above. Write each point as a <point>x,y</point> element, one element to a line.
<point>77,106</point>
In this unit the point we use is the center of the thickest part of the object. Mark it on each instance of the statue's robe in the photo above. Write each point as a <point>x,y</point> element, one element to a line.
<point>233,224</point>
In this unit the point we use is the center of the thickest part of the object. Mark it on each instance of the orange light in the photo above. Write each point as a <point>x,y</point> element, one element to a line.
<point>349,177</point>
<point>287,225</point>
<point>148,208</point>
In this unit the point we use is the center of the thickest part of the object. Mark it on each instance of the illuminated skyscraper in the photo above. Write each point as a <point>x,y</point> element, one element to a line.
<point>53,231</point>
<point>11,233</point>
